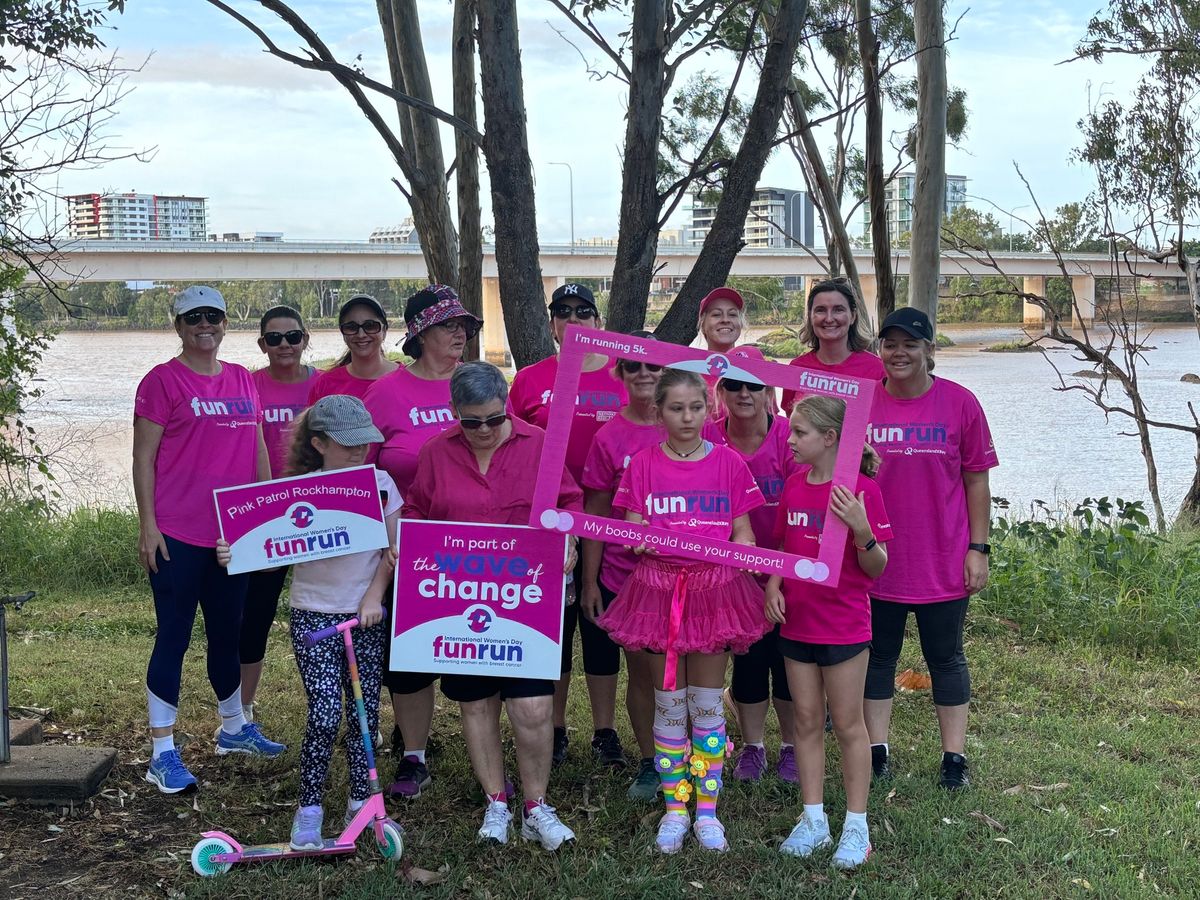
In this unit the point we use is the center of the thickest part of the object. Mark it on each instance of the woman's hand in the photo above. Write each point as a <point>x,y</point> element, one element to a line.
<point>224,557</point>
<point>370,611</point>
<point>774,606</point>
<point>572,555</point>
<point>850,509</point>
<point>641,549</point>
<point>591,604</point>
<point>150,543</point>
<point>975,571</point>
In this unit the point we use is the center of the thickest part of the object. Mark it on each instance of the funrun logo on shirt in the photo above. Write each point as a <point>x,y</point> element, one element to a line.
<point>687,502</point>
<point>909,438</point>
<point>771,487</point>
<point>275,415</point>
<point>605,403</point>
<point>806,518</point>
<point>424,416</point>
<point>226,407</point>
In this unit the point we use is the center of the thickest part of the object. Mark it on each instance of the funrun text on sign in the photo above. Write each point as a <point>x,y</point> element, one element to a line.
<point>295,520</point>
<point>473,599</point>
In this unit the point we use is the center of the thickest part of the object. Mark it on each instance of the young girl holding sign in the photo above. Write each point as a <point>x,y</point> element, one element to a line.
<point>688,614</point>
<point>826,632</point>
<point>334,434</point>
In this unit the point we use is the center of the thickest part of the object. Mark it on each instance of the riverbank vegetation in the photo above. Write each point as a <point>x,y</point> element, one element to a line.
<point>1084,742</point>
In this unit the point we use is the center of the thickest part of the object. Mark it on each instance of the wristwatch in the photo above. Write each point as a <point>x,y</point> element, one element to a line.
<point>985,549</point>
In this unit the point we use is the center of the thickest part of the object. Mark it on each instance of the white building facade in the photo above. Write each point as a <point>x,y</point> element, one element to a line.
<point>898,197</point>
<point>137,217</point>
<point>778,218</point>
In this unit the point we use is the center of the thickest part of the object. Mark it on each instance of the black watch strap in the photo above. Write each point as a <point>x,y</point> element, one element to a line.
<point>985,549</point>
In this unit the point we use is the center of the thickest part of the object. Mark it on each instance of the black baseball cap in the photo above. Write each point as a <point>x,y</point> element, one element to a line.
<point>574,291</point>
<point>911,321</point>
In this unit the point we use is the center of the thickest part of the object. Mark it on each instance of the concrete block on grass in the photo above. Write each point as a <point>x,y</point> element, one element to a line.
<point>55,774</point>
<point>24,732</point>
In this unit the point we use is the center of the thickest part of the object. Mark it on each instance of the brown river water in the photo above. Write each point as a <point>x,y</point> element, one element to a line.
<point>1053,446</point>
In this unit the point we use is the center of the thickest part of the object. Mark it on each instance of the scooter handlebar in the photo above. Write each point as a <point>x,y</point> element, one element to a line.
<point>314,638</point>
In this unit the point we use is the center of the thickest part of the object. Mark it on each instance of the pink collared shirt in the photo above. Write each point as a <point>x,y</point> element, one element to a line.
<point>448,485</point>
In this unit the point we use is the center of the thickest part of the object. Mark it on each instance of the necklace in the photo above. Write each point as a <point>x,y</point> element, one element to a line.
<point>680,454</point>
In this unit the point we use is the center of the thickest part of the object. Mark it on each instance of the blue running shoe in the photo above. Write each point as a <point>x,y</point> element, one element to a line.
<point>249,740</point>
<point>168,773</point>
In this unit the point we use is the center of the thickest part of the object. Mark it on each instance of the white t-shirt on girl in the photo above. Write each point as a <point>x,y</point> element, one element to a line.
<point>337,585</point>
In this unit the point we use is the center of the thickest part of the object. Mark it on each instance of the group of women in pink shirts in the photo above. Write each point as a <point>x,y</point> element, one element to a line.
<point>642,439</point>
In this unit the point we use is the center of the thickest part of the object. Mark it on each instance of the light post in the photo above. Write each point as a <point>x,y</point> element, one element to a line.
<point>571,183</point>
<point>1010,223</point>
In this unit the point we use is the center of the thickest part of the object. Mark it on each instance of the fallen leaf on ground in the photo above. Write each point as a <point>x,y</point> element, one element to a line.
<point>1057,786</point>
<point>909,680</point>
<point>986,820</point>
<point>1002,840</point>
<point>417,875</point>
<point>1015,789</point>
<point>1083,883</point>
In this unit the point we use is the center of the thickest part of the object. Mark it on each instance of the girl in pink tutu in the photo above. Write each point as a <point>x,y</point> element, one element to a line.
<point>689,615</point>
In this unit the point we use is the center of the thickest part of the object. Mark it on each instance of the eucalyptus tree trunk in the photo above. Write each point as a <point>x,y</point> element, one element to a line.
<point>466,168</point>
<point>724,239</point>
<point>637,240</point>
<point>881,244</point>
<point>929,191</point>
<point>506,148</point>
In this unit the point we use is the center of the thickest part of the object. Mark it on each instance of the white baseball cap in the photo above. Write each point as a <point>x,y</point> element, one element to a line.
<point>197,297</point>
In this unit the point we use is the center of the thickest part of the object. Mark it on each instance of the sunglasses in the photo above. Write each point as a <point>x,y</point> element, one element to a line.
<point>582,313</point>
<point>729,384</point>
<point>633,366</point>
<point>212,316</point>
<point>275,338</point>
<point>491,422</point>
<point>371,326</point>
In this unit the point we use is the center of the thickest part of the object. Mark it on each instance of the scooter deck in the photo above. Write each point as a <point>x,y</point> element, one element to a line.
<point>284,851</point>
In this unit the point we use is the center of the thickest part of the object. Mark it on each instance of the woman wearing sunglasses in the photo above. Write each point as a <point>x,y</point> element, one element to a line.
<point>601,395</point>
<point>410,406</point>
<point>364,326</point>
<point>197,427</point>
<point>606,566</point>
<point>840,338</point>
<point>748,424</point>
<point>481,470</point>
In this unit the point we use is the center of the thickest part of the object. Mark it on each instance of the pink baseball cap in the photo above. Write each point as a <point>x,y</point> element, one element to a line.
<point>722,293</point>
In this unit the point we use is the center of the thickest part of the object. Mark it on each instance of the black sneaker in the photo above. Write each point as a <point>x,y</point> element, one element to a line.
<point>559,754</point>
<point>954,772</point>
<point>412,777</point>
<point>881,763</point>
<point>606,747</point>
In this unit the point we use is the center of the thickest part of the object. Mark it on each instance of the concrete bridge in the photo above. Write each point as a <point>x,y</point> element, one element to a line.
<point>323,260</point>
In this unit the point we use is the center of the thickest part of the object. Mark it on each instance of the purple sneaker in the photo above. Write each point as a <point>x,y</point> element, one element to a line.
<point>751,763</point>
<point>412,777</point>
<point>786,769</point>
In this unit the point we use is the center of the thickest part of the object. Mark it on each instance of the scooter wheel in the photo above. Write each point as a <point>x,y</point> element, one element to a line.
<point>392,845</point>
<point>202,857</point>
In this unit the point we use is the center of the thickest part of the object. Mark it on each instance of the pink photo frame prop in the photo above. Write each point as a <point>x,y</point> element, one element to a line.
<point>824,569</point>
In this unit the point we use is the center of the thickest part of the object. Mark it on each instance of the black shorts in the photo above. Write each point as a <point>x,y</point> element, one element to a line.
<point>823,655</point>
<point>469,688</point>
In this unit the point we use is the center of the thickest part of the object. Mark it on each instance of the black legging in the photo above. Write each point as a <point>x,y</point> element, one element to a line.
<point>759,672</point>
<point>258,615</point>
<point>940,626</point>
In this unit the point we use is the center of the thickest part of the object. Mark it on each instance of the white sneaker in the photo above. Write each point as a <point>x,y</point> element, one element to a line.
<point>710,834</point>
<point>542,824</point>
<point>496,820</point>
<point>807,838</point>
<point>672,829</point>
<point>853,848</point>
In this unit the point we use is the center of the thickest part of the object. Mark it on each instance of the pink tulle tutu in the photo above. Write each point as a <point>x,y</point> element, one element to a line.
<point>722,608</point>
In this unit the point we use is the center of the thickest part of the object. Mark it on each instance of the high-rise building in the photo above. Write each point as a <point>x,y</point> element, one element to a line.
<point>898,197</point>
<point>404,233</point>
<point>137,217</point>
<point>778,217</point>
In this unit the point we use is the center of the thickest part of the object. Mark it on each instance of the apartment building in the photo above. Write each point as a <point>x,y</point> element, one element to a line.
<point>137,217</point>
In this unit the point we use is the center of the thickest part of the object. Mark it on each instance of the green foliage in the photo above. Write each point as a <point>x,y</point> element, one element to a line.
<point>51,29</point>
<point>84,549</point>
<point>701,127</point>
<point>1098,573</point>
<point>1073,227</point>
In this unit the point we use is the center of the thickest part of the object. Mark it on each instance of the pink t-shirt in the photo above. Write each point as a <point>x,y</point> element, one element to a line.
<point>337,380</point>
<point>702,497</point>
<point>613,447</point>
<point>409,410</point>
<point>771,465</point>
<point>337,585</point>
<point>601,395</point>
<point>926,444</point>
<point>859,364</point>
<point>281,404</point>
<point>818,614</point>
<point>210,440</point>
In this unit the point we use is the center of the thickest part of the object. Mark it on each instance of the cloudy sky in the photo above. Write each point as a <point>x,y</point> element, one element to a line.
<point>275,148</point>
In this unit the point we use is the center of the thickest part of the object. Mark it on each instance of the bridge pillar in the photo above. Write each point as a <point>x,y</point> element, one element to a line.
<point>1084,289</point>
<point>1032,313</point>
<point>493,342</point>
<point>870,300</point>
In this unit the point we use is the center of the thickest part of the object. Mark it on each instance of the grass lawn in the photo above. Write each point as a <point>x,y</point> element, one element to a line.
<point>1086,768</point>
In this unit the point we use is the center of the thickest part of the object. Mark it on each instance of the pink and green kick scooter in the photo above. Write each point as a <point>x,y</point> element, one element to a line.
<point>217,851</point>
